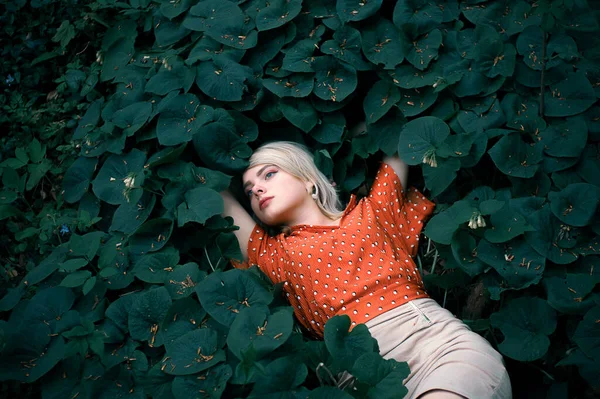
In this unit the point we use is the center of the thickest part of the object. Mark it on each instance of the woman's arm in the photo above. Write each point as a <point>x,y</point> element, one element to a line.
<point>399,167</point>
<point>241,218</point>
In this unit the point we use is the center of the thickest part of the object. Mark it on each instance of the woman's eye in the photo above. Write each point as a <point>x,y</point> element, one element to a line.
<point>249,193</point>
<point>269,175</point>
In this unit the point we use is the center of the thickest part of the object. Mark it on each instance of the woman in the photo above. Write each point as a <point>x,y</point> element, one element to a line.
<point>358,261</point>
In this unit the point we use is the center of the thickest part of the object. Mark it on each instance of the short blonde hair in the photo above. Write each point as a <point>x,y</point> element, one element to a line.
<point>296,160</point>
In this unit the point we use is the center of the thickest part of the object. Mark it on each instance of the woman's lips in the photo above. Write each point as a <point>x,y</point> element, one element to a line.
<point>264,202</point>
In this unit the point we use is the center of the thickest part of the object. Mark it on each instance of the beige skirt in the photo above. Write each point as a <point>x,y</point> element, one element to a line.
<point>441,351</point>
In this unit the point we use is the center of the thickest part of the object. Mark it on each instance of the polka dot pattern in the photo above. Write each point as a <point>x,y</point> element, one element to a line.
<point>362,268</point>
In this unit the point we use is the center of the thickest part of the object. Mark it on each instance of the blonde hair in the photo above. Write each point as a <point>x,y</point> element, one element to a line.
<point>296,160</point>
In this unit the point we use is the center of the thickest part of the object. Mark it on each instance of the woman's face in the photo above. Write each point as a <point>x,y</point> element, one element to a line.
<point>276,197</point>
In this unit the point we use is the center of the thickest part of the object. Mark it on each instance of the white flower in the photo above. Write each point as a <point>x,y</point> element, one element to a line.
<point>129,181</point>
<point>480,221</point>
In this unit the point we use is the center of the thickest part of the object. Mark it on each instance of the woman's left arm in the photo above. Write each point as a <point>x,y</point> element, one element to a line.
<point>399,167</point>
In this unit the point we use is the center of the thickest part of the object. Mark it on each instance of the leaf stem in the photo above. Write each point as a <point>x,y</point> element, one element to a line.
<point>209,262</point>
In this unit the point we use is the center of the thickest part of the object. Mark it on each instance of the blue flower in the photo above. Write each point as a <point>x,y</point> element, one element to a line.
<point>9,80</point>
<point>64,229</point>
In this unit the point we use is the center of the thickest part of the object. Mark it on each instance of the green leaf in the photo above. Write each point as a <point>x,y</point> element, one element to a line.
<point>384,375</point>
<point>526,323</point>
<point>516,158</point>
<point>200,204</point>
<point>180,119</point>
<point>64,34</point>
<point>383,43</point>
<point>385,133</point>
<point>120,178</point>
<point>36,151</point>
<point>222,79</point>
<point>172,9</point>
<point>439,178</point>
<point>520,266</point>
<point>344,346</point>
<point>146,313</point>
<point>86,245</point>
<point>182,281</point>
<point>356,10</point>
<point>75,279</point>
<point>566,296</point>
<point>157,266</point>
<point>441,227</point>
<point>299,58</point>
<point>329,392</point>
<point>544,238</point>
<point>128,217</point>
<point>576,204</point>
<point>569,97</point>
<point>89,285</point>
<point>294,85</point>
<point>7,197</point>
<point>37,172</point>
<point>194,352</point>
<point>219,146</point>
<point>212,382</point>
<point>566,139</point>
<point>465,254</point>
<point>379,100</point>
<point>346,46</point>
<point>206,48</point>
<point>224,294</point>
<point>151,236</point>
<point>132,117</point>
<point>299,112</point>
<point>507,224</point>
<point>76,181</point>
<point>255,328</point>
<point>425,49</point>
<point>416,101</point>
<point>334,80</point>
<point>277,13</point>
<point>417,16</point>
<point>421,136</point>
<point>587,334</point>
<point>73,264</point>
<point>171,77</point>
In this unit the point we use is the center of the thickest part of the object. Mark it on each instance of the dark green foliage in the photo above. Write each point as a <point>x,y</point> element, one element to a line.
<point>123,121</point>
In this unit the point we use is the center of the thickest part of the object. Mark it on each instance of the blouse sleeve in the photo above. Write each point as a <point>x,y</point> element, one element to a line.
<point>403,212</point>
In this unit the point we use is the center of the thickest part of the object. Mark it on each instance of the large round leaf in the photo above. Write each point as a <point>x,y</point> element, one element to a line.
<point>254,329</point>
<point>223,295</point>
<point>200,204</point>
<point>516,158</point>
<point>507,224</point>
<point>120,178</point>
<point>128,217</point>
<point>346,46</point>
<point>147,312</point>
<point>356,10</point>
<point>587,334</point>
<point>526,323</point>
<point>212,382</point>
<point>184,315</point>
<point>383,43</point>
<point>77,178</point>
<point>566,139</point>
<point>416,101</point>
<point>300,113</point>
<point>181,282</point>
<point>193,352</point>
<point>151,236</point>
<point>417,16</point>
<point>424,49</point>
<point>576,204</point>
<point>155,267</point>
<point>294,85</point>
<point>379,100</point>
<point>334,80</point>
<point>442,226</point>
<point>171,77</point>
<point>420,136</point>
<point>569,97</point>
<point>545,237</point>
<point>277,13</point>
<point>520,266</point>
<point>180,118</point>
<point>437,179</point>
<point>464,249</point>
<point>222,78</point>
<point>221,148</point>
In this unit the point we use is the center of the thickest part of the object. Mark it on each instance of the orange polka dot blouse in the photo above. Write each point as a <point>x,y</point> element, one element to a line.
<point>362,268</point>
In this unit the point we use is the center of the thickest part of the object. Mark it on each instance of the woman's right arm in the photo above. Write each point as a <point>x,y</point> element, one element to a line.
<point>241,218</point>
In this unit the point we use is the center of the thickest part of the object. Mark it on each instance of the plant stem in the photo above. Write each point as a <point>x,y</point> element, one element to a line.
<point>208,257</point>
<point>435,256</point>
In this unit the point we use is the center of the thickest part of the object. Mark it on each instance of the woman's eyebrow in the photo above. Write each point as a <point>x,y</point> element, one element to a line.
<point>260,171</point>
